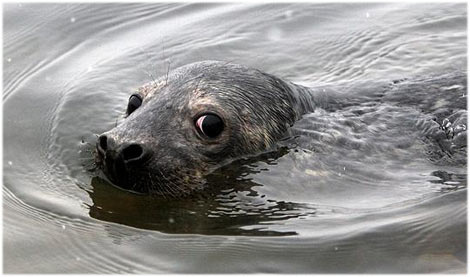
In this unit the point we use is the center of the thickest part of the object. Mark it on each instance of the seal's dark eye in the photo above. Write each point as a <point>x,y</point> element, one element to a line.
<point>210,125</point>
<point>134,102</point>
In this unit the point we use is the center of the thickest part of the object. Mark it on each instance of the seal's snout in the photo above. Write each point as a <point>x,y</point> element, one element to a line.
<point>102,144</point>
<point>133,153</point>
<point>129,152</point>
<point>120,159</point>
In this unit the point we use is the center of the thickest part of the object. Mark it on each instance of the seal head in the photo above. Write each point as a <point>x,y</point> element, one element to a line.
<point>183,126</point>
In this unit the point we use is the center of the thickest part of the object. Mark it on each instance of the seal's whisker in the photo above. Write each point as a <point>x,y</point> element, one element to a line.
<point>161,191</point>
<point>164,186</point>
<point>149,73</point>
<point>167,72</point>
<point>174,186</point>
<point>169,188</point>
<point>181,184</point>
<point>153,188</point>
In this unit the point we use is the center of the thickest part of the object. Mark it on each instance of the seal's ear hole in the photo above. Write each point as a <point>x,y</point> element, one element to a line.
<point>209,125</point>
<point>134,102</point>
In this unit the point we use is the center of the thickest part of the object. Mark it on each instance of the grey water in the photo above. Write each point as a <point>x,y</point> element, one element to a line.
<point>363,190</point>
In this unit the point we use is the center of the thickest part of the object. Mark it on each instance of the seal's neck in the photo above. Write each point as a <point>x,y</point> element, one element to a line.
<point>306,100</point>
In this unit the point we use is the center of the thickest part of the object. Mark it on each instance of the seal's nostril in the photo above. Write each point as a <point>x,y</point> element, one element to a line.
<point>103,142</point>
<point>133,152</point>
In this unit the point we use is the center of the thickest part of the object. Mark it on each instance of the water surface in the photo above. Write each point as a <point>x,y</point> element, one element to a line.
<point>359,190</point>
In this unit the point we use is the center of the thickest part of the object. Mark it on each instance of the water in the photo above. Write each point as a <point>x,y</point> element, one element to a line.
<point>362,189</point>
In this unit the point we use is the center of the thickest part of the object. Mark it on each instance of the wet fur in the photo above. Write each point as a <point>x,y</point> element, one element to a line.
<point>258,109</point>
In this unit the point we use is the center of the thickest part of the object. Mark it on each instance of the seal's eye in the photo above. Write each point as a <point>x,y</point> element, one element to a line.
<point>210,125</point>
<point>134,102</point>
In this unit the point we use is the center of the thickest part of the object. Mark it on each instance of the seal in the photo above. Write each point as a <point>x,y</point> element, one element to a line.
<point>203,115</point>
<point>183,126</point>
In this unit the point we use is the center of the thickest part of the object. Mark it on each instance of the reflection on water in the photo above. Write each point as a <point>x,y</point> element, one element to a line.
<point>373,185</point>
<point>223,215</point>
<point>229,205</point>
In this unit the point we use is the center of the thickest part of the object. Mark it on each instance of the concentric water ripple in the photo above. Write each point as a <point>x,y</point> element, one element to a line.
<point>366,188</point>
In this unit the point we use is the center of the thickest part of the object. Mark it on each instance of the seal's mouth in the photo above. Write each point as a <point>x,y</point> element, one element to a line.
<point>125,164</point>
<point>142,178</point>
<point>99,156</point>
<point>116,169</point>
